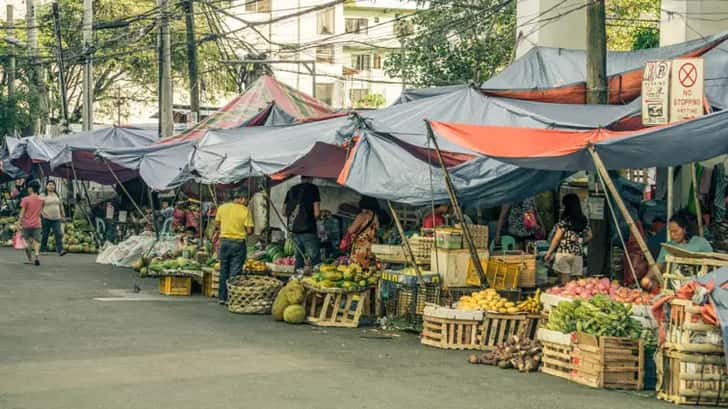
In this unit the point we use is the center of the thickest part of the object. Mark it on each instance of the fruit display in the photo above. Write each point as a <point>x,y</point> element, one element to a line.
<point>597,316</point>
<point>158,265</point>
<point>285,261</point>
<point>77,238</point>
<point>588,287</point>
<point>520,353</point>
<point>288,304</point>
<point>254,266</point>
<point>490,300</point>
<point>347,277</point>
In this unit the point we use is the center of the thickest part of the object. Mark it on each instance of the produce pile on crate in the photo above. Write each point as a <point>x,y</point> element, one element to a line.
<point>586,288</point>
<point>346,277</point>
<point>7,228</point>
<point>78,237</point>
<point>490,300</point>
<point>518,352</point>
<point>597,316</point>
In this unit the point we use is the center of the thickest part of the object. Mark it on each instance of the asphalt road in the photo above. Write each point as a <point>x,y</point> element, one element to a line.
<point>62,347</point>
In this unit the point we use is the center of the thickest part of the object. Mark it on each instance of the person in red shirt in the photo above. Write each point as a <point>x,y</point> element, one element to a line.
<point>29,221</point>
<point>436,218</point>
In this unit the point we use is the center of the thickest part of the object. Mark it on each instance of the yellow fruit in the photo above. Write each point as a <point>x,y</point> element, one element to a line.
<point>512,310</point>
<point>509,304</point>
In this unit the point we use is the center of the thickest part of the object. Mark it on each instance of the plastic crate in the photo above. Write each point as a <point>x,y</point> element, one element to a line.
<point>175,285</point>
<point>406,303</point>
<point>449,238</point>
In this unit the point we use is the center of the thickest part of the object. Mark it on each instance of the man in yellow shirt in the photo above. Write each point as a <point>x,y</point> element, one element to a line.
<point>235,222</point>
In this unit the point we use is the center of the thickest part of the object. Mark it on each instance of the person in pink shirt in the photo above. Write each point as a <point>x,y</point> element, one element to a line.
<point>30,222</point>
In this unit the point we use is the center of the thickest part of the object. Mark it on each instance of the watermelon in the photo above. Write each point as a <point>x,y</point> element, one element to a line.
<point>289,248</point>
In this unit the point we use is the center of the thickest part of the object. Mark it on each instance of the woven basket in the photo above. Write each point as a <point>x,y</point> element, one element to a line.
<point>252,294</point>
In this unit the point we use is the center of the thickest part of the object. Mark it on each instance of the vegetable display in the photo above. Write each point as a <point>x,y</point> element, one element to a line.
<point>589,287</point>
<point>598,316</point>
<point>518,352</point>
<point>347,277</point>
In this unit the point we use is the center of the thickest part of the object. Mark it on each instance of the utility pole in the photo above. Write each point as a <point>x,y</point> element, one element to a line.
<point>61,67</point>
<point>596,53</point>
<point>192,61</point>
<point>11,50</point>
<point>88,80</point>
<point>165,81</point>
<point>39,115</point>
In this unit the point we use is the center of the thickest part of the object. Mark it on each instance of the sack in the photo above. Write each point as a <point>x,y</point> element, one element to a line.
<point>346,242</point>
<point>530,222</point>
<point>19,241</point>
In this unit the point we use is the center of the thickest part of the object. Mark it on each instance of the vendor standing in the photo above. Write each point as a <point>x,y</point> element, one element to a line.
<point>302,207</point>
<point>436,218</point>
<point>363,232</point>
<point>52,217</point>
<point>235,223</point>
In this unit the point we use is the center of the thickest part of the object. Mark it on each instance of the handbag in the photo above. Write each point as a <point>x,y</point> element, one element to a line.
<point>19,241</point>
<point>530,222</point>
<point>348,240</point>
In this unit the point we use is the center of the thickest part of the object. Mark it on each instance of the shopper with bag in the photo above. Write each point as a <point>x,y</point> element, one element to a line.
<point>302,207</point>
<point>572,232</point>
<point>29,221</point>
<point>362,233</point>
<point>523,222</point>
<point>52,218</point>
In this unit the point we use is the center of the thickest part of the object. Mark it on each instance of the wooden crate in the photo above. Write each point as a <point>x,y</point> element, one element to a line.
<point>447,328</point>
<point>691,378</point>
<point>608,362</point>
<point>334,307</point>
<point>422,246</point>
<point>526,263</point>
<point>175,285</point>
<point>683,265</point>
<point>557,350</point>
<point>497,328</point>
<point>210,282</point>
<point>453,265</point>
<point>479,233</point>
<point>687,332</point>
<point>395,253</point>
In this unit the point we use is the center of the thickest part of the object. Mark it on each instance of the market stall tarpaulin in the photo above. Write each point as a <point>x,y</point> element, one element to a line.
<point>550,149</point>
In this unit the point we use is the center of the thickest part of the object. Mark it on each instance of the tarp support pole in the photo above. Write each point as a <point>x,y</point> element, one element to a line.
<point>698,210</point>
<point>268,233</point>
<point>150,197</point>
<point>201,221</point>
<point>654,269</point>
<point>126,192</point>
<point>670,190</point>
<point>406,243</point>
<point>88,201</point>
<point>474,257</point>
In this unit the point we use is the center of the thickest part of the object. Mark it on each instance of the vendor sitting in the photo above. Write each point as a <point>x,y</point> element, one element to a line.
<point>437,217</point>
<point>681,237</point>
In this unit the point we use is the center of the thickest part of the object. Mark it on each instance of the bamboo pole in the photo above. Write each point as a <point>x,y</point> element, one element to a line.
<point>698,210</point>
<point>406,243</point>
<point>474,257</point>
<point>670,190</point>
<point>625,213</point>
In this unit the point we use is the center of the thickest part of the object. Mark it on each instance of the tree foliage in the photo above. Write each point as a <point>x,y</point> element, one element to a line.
<point>632,25</point>
<point>456,42</point>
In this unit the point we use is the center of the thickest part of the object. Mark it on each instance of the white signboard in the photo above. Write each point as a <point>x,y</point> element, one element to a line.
<point>655,93</point>
<point>686,89</point>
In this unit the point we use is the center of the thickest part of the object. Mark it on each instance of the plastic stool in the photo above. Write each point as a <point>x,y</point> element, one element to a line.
<point>506,243</point>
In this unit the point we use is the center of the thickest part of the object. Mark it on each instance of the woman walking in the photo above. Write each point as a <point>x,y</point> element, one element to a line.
<point>29,222</point>
<point>53,216</point>
<point>572,231</point>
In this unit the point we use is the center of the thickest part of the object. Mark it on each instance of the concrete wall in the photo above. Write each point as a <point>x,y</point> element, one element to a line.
<point>550,23</point>
<point>684,20</point>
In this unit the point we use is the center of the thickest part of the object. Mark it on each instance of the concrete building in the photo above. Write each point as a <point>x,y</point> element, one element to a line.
<point>550,23</point>
<point>344,45</point>
<point>684,20</point>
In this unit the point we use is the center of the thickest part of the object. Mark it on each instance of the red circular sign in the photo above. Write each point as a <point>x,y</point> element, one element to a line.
<point>688,75</point>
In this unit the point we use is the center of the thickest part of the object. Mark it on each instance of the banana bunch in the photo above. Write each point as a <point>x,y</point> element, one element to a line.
<point>531,305</point>
<point>487,300</point>
<point>255,266</point>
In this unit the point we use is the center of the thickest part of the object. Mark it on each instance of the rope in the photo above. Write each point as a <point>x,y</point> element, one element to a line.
<point>619,231</point>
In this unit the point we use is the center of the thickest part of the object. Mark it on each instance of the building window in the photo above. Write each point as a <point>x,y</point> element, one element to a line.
<point>357,94</point>
<point>325,21</point>
<point>325,54</point>
<point>325,93</point>
<point>377,63</point>
<point>258,6</point>
<point>361,62</point>
<point>357,25</point>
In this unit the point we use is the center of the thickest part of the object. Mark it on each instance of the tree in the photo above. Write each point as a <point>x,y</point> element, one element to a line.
<point>456,42</point>
<point>370,101</point>
<point>632,24</point>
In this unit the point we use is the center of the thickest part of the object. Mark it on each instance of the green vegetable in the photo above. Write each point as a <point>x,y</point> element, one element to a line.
<point>599,316</point>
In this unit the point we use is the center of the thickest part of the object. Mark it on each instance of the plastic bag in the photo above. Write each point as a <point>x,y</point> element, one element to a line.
<point>19,241</point>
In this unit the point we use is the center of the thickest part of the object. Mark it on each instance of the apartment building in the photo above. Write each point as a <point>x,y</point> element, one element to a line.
<point>345,46</point>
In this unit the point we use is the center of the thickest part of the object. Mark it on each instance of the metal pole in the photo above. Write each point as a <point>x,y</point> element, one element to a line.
<point>88,80</point>
<point>39,116</point>
<point>61,67</point>
<point>698,210</point>
<point>11,50</point>
<point>670,192</point>
<point>165,92</point>
<point>474,257</point>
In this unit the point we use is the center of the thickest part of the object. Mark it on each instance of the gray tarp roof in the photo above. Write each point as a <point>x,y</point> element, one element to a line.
<point>548,67</point>
<point>413,94</point>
